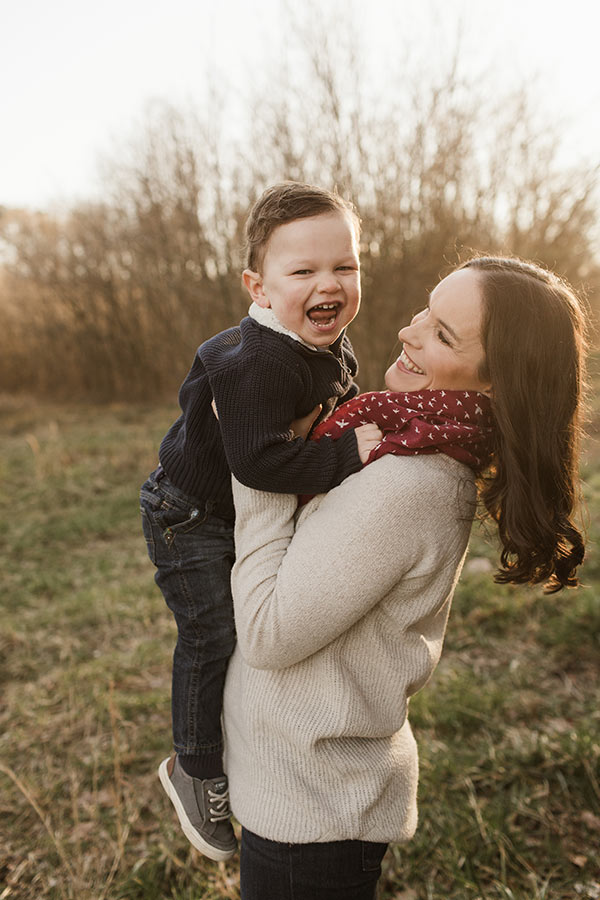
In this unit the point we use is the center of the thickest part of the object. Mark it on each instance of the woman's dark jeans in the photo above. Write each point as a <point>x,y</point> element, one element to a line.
<point>338,870</point>
<point>193,552</point>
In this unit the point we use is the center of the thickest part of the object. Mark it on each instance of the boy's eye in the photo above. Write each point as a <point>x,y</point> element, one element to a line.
<point>301,272</point>
<point>346,268</point>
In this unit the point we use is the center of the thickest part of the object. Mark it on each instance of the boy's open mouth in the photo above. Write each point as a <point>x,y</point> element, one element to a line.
<point>323,315</point>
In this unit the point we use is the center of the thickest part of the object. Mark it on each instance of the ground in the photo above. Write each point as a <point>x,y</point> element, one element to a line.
<point>508,728</point>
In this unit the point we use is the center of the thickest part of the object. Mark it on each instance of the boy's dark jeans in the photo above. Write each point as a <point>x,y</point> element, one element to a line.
<point>338,870</point>
<point>193,552</point>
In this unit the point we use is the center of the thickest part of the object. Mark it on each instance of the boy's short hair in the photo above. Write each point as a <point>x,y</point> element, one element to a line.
<point>285,202</point>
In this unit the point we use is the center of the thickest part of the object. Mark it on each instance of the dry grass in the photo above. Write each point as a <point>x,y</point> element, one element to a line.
<point>508,730</point>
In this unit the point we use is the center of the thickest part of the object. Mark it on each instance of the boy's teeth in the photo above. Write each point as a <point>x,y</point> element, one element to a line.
<point>323,314</point>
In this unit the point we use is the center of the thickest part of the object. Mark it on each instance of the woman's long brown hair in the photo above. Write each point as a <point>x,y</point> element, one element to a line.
<point>533,335</point>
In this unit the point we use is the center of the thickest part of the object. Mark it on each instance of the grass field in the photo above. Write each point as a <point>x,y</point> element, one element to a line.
<point>508,729</point>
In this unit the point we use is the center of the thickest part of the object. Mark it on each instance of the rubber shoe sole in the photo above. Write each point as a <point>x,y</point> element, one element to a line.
<point>195,839</point>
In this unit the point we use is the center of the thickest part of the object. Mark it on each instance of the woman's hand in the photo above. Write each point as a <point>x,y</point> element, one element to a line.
<point>301,427</point>
<point>367,438</point>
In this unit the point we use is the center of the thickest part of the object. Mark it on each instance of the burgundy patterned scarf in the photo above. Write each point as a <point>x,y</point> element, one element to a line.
<point>458,423</point>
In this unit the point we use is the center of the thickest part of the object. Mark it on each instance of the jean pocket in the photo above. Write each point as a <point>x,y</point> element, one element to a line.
<point>150,499</point>
<point>148,535</point>
<point>372,854</point>
<point>172,520</point>
<point>178,519</point>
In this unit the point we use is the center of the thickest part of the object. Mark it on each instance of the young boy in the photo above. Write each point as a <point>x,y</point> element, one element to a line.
<point>288,356</point>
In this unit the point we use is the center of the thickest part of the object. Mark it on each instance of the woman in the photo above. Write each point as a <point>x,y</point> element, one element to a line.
<point>341,608</point>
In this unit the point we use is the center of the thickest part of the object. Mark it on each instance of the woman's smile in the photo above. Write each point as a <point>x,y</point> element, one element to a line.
<point>405,362</point>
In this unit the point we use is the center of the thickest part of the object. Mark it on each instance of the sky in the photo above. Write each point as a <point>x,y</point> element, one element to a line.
<point>77,76</point>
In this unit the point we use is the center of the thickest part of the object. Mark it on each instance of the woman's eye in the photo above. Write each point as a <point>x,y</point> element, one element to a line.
<point>301,272</point>
<point>443,338</point>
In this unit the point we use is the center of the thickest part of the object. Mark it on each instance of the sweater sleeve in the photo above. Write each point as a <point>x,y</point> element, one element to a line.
<point>257,399</point>
<point>297,590</point>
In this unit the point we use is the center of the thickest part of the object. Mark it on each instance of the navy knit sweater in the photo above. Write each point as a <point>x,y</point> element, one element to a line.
<point>261,380</point>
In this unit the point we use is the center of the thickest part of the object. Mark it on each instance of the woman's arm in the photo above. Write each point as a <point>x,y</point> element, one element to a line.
<point>297,590</point>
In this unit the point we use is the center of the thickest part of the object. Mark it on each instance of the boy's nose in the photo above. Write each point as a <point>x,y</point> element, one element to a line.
<point>329,284</point>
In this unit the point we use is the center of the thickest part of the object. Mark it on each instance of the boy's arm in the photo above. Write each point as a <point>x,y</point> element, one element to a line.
<point>256,401</point>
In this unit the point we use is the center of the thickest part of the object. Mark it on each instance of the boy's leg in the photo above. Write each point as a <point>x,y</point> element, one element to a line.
<point>196,587</point>
<point>193,552</point>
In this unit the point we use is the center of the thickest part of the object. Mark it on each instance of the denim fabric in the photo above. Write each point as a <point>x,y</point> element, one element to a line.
<point>193,552</point>
<point>337,870</point>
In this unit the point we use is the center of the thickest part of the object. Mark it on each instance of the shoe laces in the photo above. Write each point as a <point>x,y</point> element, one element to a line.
<point>221,811</point>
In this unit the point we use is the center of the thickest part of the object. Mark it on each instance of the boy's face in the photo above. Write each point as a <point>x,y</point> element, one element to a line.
<point>310,276</point>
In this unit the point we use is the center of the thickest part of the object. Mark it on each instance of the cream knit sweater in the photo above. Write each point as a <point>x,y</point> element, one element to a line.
<point>341,612</point>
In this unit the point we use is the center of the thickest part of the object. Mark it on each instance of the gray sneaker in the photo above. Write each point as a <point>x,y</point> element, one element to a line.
<point>202,807</point>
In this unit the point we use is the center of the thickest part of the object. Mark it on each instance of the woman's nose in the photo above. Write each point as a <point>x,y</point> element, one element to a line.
<point>410,333</point>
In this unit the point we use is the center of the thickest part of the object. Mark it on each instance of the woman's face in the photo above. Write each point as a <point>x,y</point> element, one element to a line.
<point>442,346</point>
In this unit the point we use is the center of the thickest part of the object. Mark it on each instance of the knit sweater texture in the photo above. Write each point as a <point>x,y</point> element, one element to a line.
<point>340,611</point>
<point>261,380</point>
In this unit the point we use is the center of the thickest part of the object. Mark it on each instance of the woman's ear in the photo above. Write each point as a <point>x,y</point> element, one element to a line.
<point>253,282</point>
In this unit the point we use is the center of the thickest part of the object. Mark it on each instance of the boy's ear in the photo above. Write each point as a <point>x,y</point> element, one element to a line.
<point>253,283</point>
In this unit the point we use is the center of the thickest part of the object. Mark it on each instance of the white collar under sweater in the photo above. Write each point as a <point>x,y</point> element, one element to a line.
<point>266,316</point>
